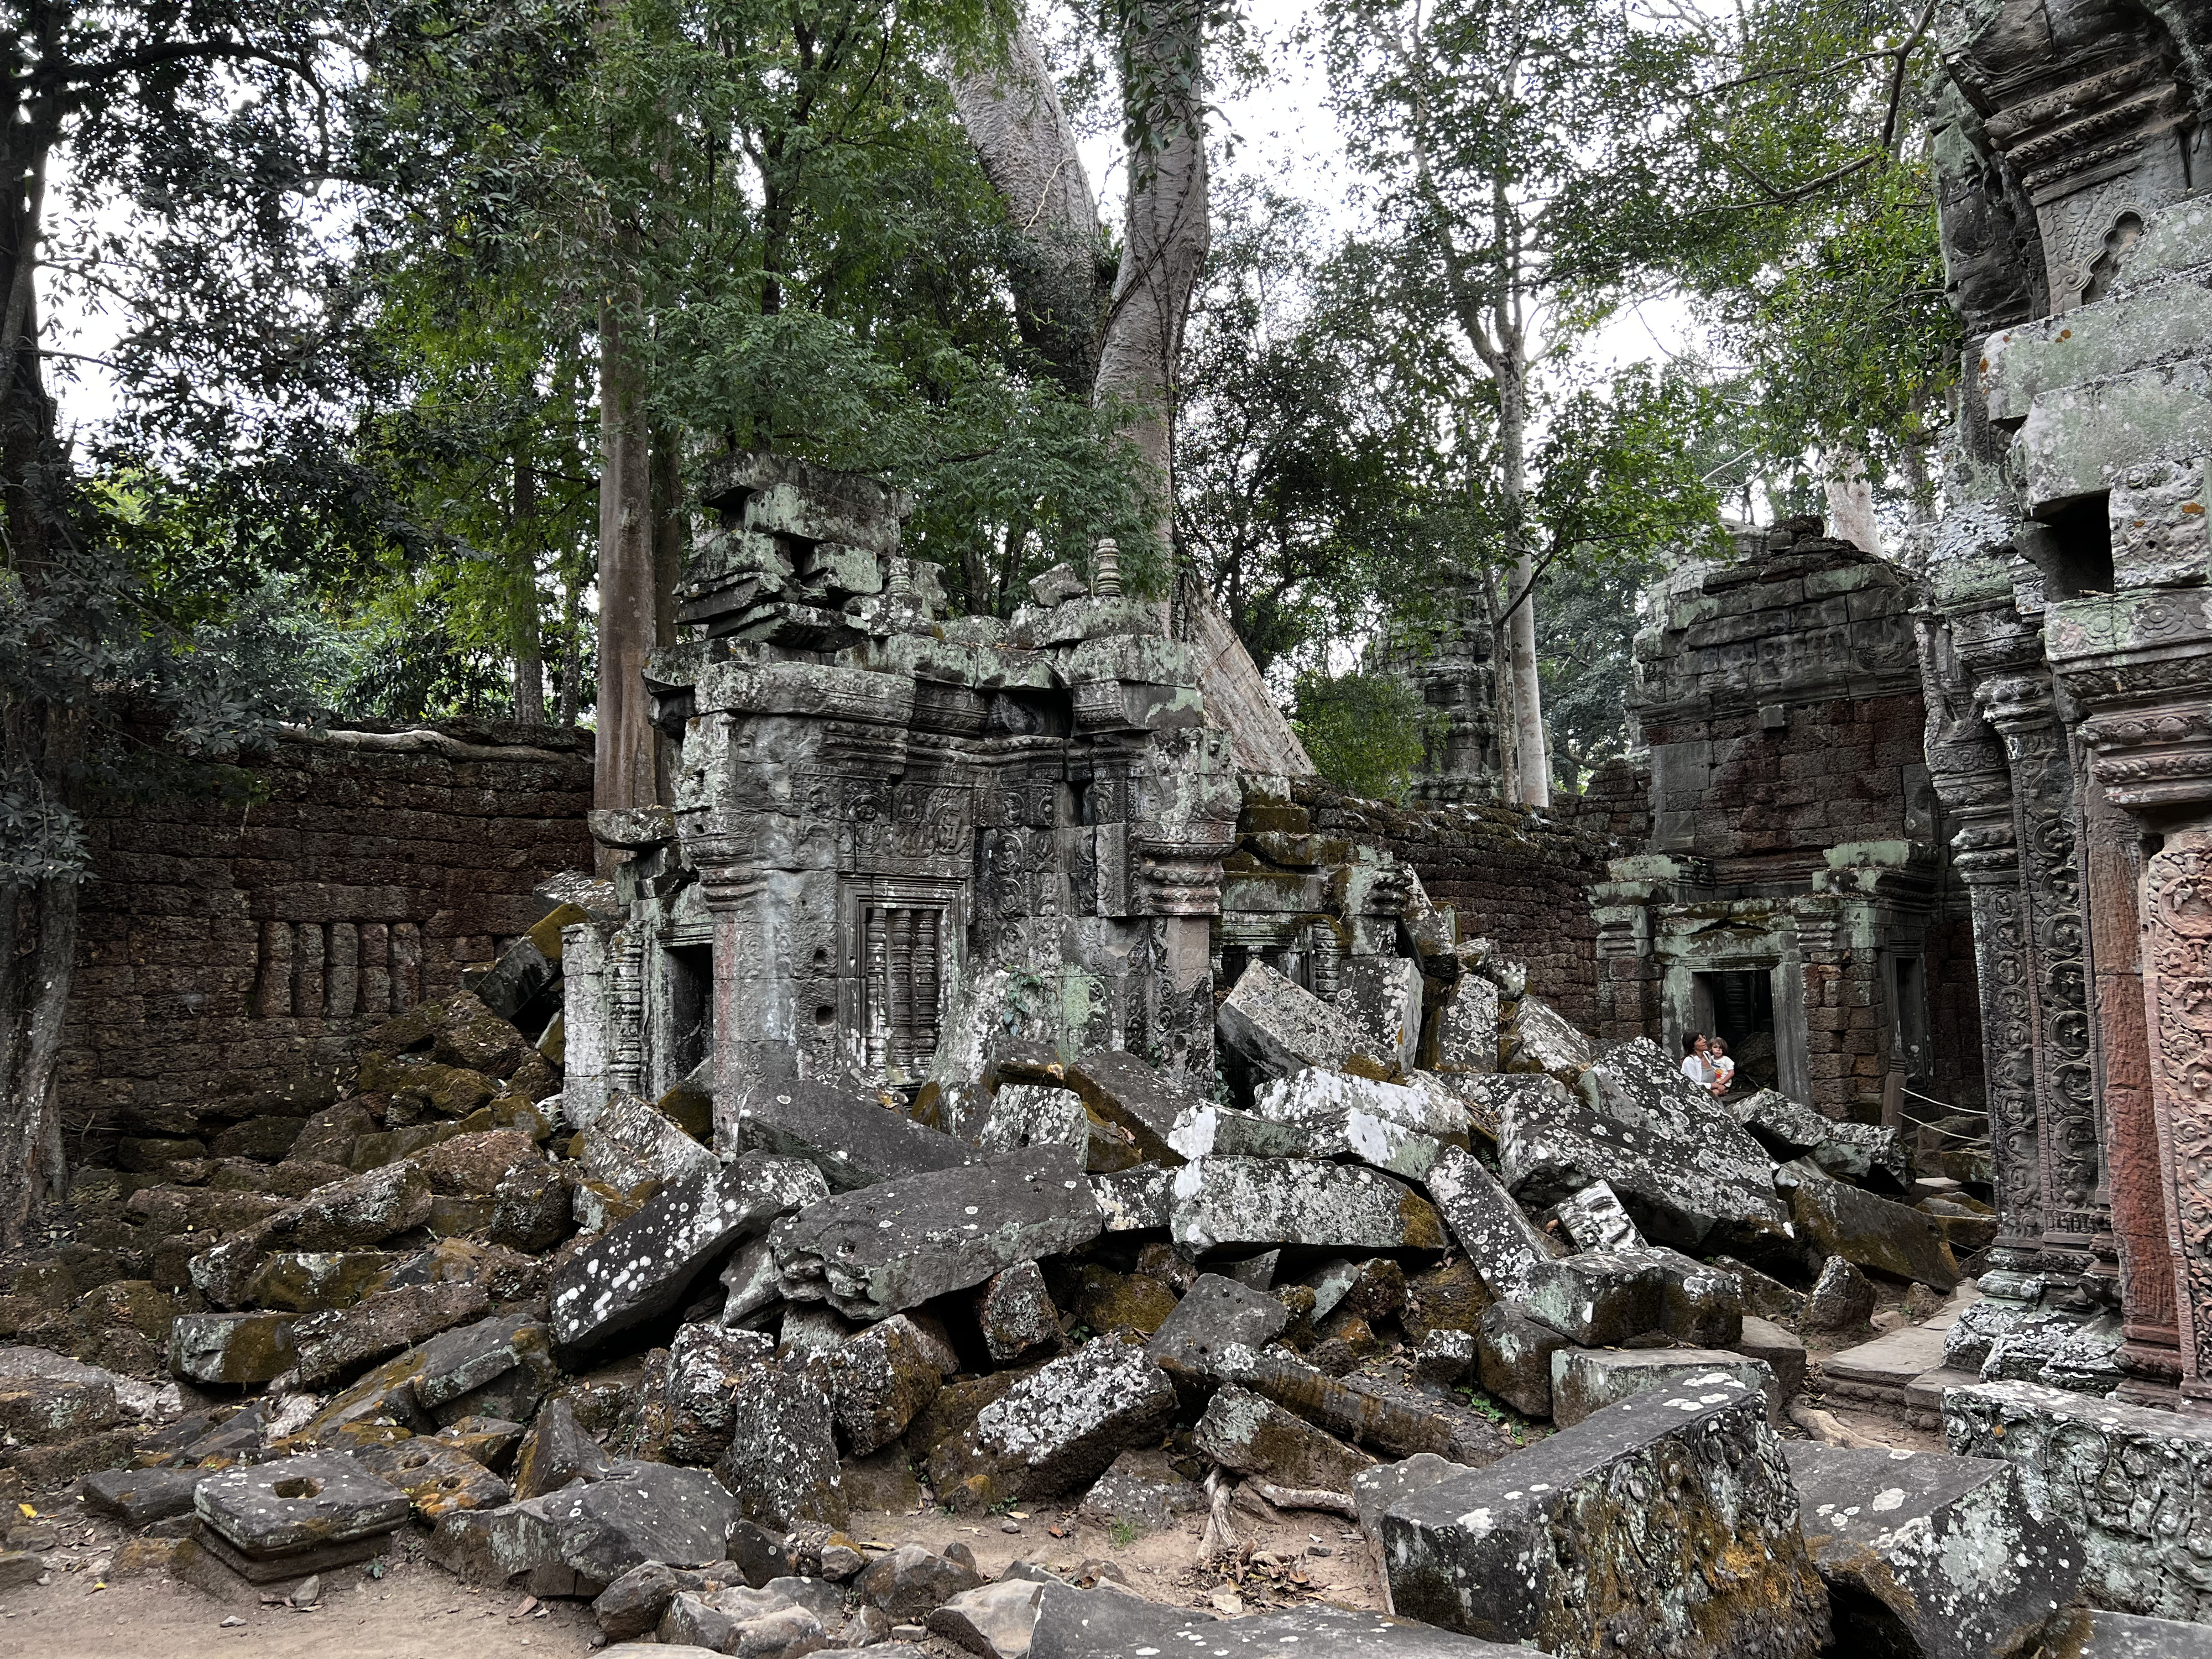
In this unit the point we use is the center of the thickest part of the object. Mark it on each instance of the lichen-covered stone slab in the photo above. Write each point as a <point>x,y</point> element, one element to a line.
<point>1835,1218</point>
<point>1466,1027</point>
<point>1585,1381</point>
<point>872,1253</point>
<point>2086,1633</point>
<point>1249,1434</point>
<point>345,1215</point>
<point>1849,1151</point>
<point>643,1266</point>
<point>1143,1490</point>
<point>1252,1200</point>
<point>580,1539</point>
<point>500,1367</point>
<point>781,1460</point>
<point>234,1347</point>
<point>1506,1248</point>
<point>852,1137</point>
<point>334,1345</point>
<point>1325,1102</point>
<point>294,1504</point>
<point>1209,1131</point>
<point>1604,1537</point>
<point>437,1478</point>
<point>1944,1548</point>
<point>1124,1090</point>
<point>1113,1624</point>
<point>1599,1297</point>
<point>1595,1220</point>
<point>138,1498</point>
<point>1216,1313</point>
<point>1134,1201</point>
<point>706,1366</point>
<point>1698,1304</point>
<point>628,1142</point>
<point>1058,1429</point>
<point>1382,994</point>
<point>2133,1483</point>
<point>1280,1027</point>
<point>882,1377</point>
<point>1540,1038</point>
<point>1683,1167</point>
<point>1513,1358</point>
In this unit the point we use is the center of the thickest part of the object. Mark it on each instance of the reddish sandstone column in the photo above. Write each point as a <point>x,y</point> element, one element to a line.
<point>2177,982</point>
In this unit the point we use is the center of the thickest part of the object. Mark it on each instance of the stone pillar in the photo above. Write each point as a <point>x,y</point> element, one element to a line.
<point>2177,979</point>
<point>2020,707</point>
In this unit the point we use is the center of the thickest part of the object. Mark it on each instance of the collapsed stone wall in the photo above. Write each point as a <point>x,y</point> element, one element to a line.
<point>224,948</point>
<point>1517,878</point>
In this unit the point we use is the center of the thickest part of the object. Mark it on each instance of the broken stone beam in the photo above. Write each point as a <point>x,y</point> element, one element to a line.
<point>1848,1151</point>
<point>781,1457</point>
<point>1357,1412</point>
<point>1873,1232</point>
<point>1652,1492</point>
<point>1256,1201</point>
<point>1280,1027</point>
<point>1680,1165</point>
<point>854,1138</point>
<point>1943,1548</point>
<point>1215,1315</point>
<point>1505,1246</point>
<point>1383,994</point>
<point>234,1348</point>
<point>1211,1131</point>
<point>2068,1449</point>
<point>1248,1434</point>
<point>641,1267</point>
<point>1585,1381</point>
<point>872,1253</point>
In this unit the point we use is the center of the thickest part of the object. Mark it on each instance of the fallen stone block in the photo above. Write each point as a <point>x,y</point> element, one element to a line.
<point>1211,1131</point>
<point>281,1515</point>
<point>1382,994</point>
<point>754,1622</point>
<point>1447,1358</point>
<point>1280,1027</point>
<point>1935,1556</point>
<point>1141,1490</point>
<point>233,1348</point>
<point>2124,1478</point>
<point>1058,1429</point>
<point>1595,1220</point>
<point>580,1539</point>
<point>1763,1294</point>
<point>1015,1313</point>
<point>1466,1025</point>
<point>901,1243</point>
<point>39,1411</point>
<point>782,1462</point>
<point>1377,1488</point>
<point>1366,1412</point>
<point>1700,1305</point>
<point>2086,1633</point>
<point>1779,1350</point>
<point>1326,1104</point>
<point>500,1367</point>
<point>994,1620</point>
<point>1849,1151</point>
<point>706,1363</point>
<point>1842,1299</point>
<point>881,1379</point>
<point>437,1478</point>
<point>474,1165</point>
<point>1219,1201</point>
<point>1248,1434</point>
<point>634,1603</point>
<point>368,1209</point>
<point>1539,1038</point>
<point>1018,1115</point>
<point>1124,1091</point>
<point>1513,1358</point>
<point>1966,1345</point>
<point>1686,1171</point>
<point>491,1441</point>
<point>1506,1248</point>
<point>138,1498</point>
<point>1588,1380</point>
<point>333,1346</point>
<point>910,1581</point>
<point>626,1143</point>
<point>854,1138</point>
<point>1876,1233</point>
<point>1109,1623</point>
<point>1216,1313</point>
<point>1107,1301</point>
<point>2088,1362</point>
<point>531,1208</point>
<point>556,1451</point>
<point>644,1265</point>
<point>315,1281</point>
<point>1600,1298</point>
<point>1651,1491</point>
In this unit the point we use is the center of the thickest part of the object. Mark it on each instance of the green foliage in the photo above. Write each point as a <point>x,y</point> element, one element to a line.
<point>1365,732</point>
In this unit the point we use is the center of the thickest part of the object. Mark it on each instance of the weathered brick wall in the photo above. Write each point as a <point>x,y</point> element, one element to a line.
<point>1516,877</point>
<point>1954,1016</point>
<point>1617,803</point>
<point>227,948</point>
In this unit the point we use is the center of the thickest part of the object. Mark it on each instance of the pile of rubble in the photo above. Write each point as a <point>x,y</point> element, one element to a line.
<point>613,1358</point>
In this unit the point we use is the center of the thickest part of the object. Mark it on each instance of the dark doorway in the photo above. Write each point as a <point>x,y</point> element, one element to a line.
<point>1743,1016</point>
<point>690,1009</point>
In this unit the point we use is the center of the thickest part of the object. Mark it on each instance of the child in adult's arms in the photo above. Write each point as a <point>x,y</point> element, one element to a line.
<point>1724,1067</point>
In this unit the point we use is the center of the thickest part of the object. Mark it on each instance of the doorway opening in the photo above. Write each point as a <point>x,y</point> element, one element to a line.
<point>1742,1004</point>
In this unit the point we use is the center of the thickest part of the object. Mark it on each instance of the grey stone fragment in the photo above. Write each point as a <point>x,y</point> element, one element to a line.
<point>556,1451</point>
<point>1891,1238</point>
<point>1015,1313</point>
<point>1541,1039</point>
<point>1375,1490</point>
<point>335,1345</point>
<point>1652,1492</point>
<point>1700,1305</point>
<point>1206,1130</point>
<point>811,1331</point>
<point>1368,1411</point>
<point>1599,1297</point>
<point>634,1602</point>
<point>1057,1429</point>
<point>2125,1479</point>
<point>2084,1633</point>
<point>901,1243</point>
<point>532,1210</point>
<point>1280,1028</point>
<point>1215,1314</point>
<point>1684,1169</point>
<point>580,1539</point>
<point>994,1621</point>
<point>755,1623</point>
<point>138,1498</point>
<point>626,1143</point>
<point>522,971</point>
<point>1849,1151</point>
<point>1595,1220</point>
<point>1256,1272</point>
<point>1248,1434</point>
<point>1252,1200</point>
<point>1339,1109</point>
<point>1018,1115</point>
<point>782,1462</point>
<point>1382,994</point>
<point>1505,1246</point>
<point>1943,1550</point>
<point>1780,1351</point>
<point>1109,1623</point>
<point>1763,1294</point>
<point>1966,1345</point>
<point>643,1267</point>
<point>42,1411</point>
<point>500,1367</point>
<point>234,1347</point>
<point>1135,1200</point>
<point>910,1581</point>
<point>1125,1091</point>
<point>706,1363</point>
<point>2088,1362</point>
<point>1447,1357</point>
<point>1588,1380</point>
<point>1513,1353</point>
<point>1842,1299</point>
<point>349,1214</point>
<point>881,1378</point>
<point>1141,1489</point>
<point>852,1137</point>
<point>751,1285</point>
<point>294,1504</point>
<point>1466,1035</point>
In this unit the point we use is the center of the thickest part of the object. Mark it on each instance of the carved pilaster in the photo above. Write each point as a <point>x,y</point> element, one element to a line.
<point>2178,1002</point>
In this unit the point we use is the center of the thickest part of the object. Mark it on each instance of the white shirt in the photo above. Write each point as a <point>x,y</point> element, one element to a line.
<point>1695,1068</point>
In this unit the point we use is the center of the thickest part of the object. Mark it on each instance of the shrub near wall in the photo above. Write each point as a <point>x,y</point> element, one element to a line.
<point>228,948</point>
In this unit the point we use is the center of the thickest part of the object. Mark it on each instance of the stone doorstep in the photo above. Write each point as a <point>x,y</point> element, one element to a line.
<point>295,1564</point>
<point>1889,1362</point>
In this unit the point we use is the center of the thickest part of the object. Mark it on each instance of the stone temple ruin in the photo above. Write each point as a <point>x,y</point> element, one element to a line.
<point>984,1122</point>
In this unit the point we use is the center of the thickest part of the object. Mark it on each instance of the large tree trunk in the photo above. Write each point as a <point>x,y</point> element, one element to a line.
<point>1014,118</point>
<point>529,647</point>
<point>624,773</point>
<point>1529,782</point>
<point>1166,235</point>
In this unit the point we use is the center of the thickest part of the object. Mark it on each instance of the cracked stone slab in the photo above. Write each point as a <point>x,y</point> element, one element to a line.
<point>1683,1167</point>
<point>1835,1218</point>
<point>706,1365</point>
<point>872,1253</point>
<point>1650,1492</point>
<point>1280,1027</point>
<point>1216,1313</point>
<point>1125,1091</point>
<point>1382,994</point>
<point>882,1377</point>
<point>1249,1434</point>
<point>1540,1038</point>
<point>580,1539</point>
<point>1248,1201</point>
<point>1058,1428</point>
<point>781,1458</point>
<point>500,1367</point>
<point>643,1266</point>
<point>628,1142</point>
<point>296,1504</point>
<point>1507,1249</point>
<point>1944,1548</point>
<point>1585,1381</point>
<point>2128,1479</point>
<point>1595,1220</point>
<point>852,1137</point>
